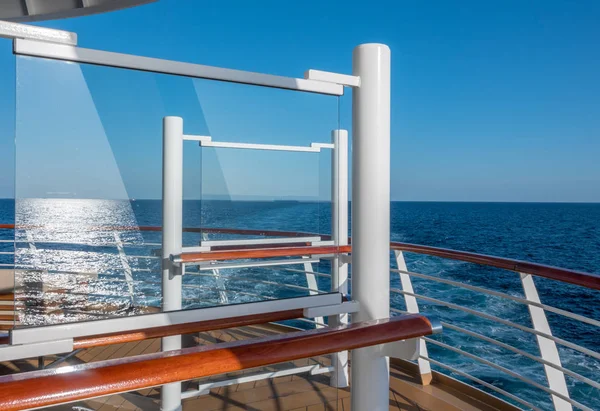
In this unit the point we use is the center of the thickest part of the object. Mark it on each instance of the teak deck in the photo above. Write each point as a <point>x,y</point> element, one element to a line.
<point>298,392</point>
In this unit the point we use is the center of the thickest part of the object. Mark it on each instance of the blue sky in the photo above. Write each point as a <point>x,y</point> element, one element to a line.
<point>490,101</point>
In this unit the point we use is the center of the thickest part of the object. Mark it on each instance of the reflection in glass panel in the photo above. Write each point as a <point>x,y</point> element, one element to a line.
<point>88,187</point>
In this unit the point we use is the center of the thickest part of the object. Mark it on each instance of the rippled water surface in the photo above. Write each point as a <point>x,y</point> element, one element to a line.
<point>83,259</point>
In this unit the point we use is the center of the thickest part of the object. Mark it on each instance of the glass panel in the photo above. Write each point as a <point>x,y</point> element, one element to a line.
<point>89,186</point>
<point>7,194</point>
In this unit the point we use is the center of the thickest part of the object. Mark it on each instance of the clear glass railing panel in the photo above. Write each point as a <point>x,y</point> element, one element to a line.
<point>88,186</point>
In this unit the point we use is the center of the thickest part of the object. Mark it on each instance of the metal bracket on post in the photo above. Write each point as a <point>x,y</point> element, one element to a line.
<point>405,349</point>
<point>329,77</point>
<point>331,310</point>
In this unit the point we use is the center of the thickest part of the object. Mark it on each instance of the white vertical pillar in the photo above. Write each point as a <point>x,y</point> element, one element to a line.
<point>171,240</point>
<point>371,217</point>
<point>339,232</point>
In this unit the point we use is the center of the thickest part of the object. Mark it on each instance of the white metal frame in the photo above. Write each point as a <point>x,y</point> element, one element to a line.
<point>25,31</point>
<point>206,141</point>
<point>339,231</point>
<point>82,329</point>
<point>106,58</point>
<point>205,388</point>
<point>371,195</point>
<point>266,241</point>
<point>172,232</point>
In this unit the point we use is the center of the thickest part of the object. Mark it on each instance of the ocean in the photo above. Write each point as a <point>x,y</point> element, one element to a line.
<point>73,266</point>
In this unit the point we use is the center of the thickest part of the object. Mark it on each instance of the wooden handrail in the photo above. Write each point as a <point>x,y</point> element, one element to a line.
<point>51,387</point>
<point>582,279</point>
<point>554,273</point>
<point>188,328</point>
<point>260,253</point>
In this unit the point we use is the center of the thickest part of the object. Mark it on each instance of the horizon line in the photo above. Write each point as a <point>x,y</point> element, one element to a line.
<point>311,201</point>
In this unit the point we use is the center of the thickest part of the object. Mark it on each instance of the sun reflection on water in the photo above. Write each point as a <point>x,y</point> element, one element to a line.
<point>67,262</point>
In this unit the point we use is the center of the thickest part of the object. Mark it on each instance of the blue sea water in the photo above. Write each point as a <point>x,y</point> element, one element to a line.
<point>66,238</point>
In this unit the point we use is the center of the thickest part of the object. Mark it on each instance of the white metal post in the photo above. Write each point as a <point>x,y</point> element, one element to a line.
<point>412,307</point>
<point>339,232</point>
<point>171,240</point>
<point>548,349</point>
<point>313,286</point>
<point>371,217</point>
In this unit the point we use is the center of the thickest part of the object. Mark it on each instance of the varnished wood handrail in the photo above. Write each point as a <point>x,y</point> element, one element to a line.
<point>51,387</point>
<point>260,253</point>
<point>188,328</point>
<point>555,273</point>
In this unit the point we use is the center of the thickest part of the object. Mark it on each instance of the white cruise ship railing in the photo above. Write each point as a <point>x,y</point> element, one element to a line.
<point>549,354</point>
<point>317,279</point>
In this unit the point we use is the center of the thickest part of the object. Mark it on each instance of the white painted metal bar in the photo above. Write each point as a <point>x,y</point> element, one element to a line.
<point>265,263</point>
<point>324,311</point>
<point>311,281</point>
<point>205,388</point>
<point>25,31</point>
<point>485,384</point>
<point>494,318</point>
<point>482,290</point>
<point>287,240</point>
<point>413,307</point>
<point>371,217</point>
<point>107,244</point>
<point>128,61</point>
<point>313,148</point>
<point>199,249</point>
<point>329,77</point>
<point>339,230</point>
<point>15,352</point>
<point>82,329</point>
<point>509,372</point>
<point>548,349</point>
<point>172,229</point>
<point>323,243</point>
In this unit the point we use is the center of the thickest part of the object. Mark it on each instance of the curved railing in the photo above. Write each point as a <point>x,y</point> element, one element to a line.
<point>566,383</point>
